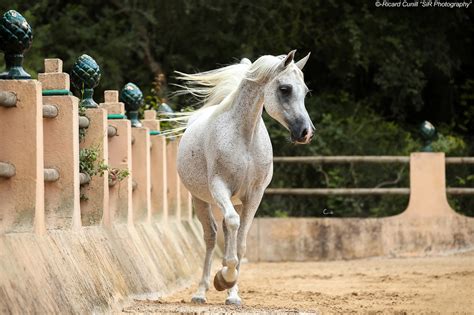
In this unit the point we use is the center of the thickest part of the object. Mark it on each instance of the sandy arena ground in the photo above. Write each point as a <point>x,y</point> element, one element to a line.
<point>440,285</point>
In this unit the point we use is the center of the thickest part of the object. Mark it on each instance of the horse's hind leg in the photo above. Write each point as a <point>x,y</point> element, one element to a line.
<point>204,213</point>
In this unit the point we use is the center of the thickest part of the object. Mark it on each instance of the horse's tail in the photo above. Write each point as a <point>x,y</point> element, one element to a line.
<point>209,88</point>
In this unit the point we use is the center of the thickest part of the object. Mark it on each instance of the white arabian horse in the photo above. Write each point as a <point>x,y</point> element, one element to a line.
<point>225,155</point>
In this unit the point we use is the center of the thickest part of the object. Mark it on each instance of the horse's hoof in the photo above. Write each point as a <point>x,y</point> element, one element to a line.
<point>220,284</point>
<point>233,301</point>
<point>198,300</point>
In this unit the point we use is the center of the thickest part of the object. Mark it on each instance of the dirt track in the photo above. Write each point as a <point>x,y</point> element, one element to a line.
<point>376,286</point>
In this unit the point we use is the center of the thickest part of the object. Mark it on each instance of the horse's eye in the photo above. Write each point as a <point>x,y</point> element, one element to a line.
<point>285,89</point>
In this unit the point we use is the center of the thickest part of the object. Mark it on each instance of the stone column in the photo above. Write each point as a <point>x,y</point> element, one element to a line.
<point>95,194</point>
<point>174,186</point>
<point>186,203</point>
<point>85,76</point>
<point>120,158</point>
<point>159,185</point>
<point>141,174</point>
<point>428,186</point>
<point>61,148</point>
<point>21,143</point>
<point>132,97</point>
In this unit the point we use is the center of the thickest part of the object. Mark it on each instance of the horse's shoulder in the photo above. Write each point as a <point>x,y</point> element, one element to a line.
<point>201,115</point>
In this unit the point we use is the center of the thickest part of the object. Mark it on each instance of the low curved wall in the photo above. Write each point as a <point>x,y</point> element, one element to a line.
<point>300,239</point>
<point>427,226</point>
<point>96,269</point>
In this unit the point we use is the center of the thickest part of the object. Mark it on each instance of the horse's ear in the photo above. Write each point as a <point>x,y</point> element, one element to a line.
<point>300,64</point>
<point>288,59</point>
<point>245,61</point>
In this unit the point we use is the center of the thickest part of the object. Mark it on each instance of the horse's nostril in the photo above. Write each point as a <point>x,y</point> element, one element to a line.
<point>304,133</point>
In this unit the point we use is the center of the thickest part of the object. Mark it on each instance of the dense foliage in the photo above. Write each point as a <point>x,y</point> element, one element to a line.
<point>375,74</point>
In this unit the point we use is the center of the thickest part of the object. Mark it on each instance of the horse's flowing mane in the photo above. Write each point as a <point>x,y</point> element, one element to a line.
<point>218,87</point>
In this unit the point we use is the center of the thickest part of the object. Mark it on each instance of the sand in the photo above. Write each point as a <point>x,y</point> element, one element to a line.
<point>375,286</point>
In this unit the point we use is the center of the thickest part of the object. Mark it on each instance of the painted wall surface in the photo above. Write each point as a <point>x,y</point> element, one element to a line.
<point>95,268</point>
<point>59,255</point>
<point>303,239</point>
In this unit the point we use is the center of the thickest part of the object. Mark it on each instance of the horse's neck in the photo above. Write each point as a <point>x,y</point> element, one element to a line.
<point>247,108</point>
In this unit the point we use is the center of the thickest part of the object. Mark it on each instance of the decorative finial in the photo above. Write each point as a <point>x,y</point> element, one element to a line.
<point>15,38</point>
<point>132,96</point>
<point>85,77</point>
<point>164,109</point>
<point>428,133</point>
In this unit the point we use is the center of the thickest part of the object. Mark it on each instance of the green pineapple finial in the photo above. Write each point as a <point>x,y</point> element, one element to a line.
<point>164,108</point>
<point>85,76</point>
<point>428,133</point>
<point>15,38</point>
<point>132,97</point>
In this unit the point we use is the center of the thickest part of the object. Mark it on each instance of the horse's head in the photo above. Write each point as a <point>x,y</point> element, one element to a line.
<point>284,99</point>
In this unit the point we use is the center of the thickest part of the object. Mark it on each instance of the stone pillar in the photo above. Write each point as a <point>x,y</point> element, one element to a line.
<point>174,186</point>
<point>21,143</point>
<point>428,186</point>
<point>61,150</point>
<point>132,97</point>
<point>141,174</point>
<point>159,185</point>
<point>186,203</point>
<point>95,194</point>
<point>120,158</point>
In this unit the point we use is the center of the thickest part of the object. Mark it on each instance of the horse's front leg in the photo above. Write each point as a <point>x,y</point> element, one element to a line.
<point>250,206</point>
<point>226,278</point>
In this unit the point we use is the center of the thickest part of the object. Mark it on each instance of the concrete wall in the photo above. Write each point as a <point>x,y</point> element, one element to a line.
<point>427,226</point>
<point>96,269</point>
<point>67,247</point>
<point>301,239</point>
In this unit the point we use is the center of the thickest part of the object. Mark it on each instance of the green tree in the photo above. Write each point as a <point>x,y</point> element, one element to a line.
<point>375,73</point>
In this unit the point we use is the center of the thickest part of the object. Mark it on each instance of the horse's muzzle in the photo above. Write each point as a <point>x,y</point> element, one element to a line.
<point>302,135</point>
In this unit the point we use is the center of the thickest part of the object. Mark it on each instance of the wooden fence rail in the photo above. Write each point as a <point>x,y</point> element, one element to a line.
<point>359,191</point>
<point>361,159</point>
<point>355,191</point>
